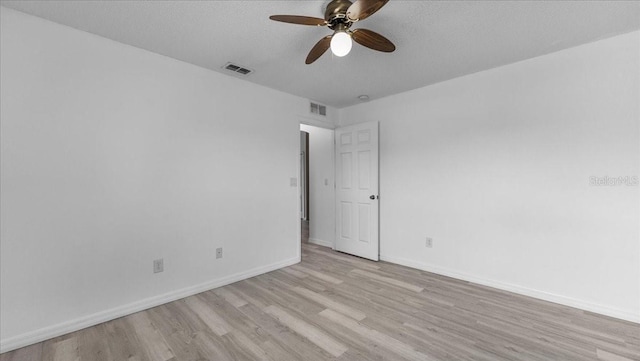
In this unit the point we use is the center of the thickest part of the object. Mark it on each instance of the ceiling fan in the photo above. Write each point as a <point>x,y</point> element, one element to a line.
<point>339,16</point>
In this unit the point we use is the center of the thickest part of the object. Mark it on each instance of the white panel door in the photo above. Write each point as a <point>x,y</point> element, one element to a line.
<point>357,190</point>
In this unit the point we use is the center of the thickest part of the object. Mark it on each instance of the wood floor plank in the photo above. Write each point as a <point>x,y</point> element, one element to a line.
<point>238,322</point>
<point>66,350</point>
<point>309,282</point>
<point>359,347</point>
<point>280,294</point>
<point>429,346</point>
<point>207,314</point>
<point>276,352</point>
<point>246,292</point>
<point>92,344</point>
<point>313,334</point>
<point>238,350</point>
<point>211,345</point>
<point>389,280</point>
<point>231,297</point>
<point>253,351</point>
<point>179,327</point>
<point>381,339</point>
<point>293,272</point>
<point>48,349</point>
<point>608,356</point>
<point>320,275</point>
<point>152,342</point>
<point>458,348</point>
<point>123,341</point>
<point>329,303</point>
<point>294,344</point>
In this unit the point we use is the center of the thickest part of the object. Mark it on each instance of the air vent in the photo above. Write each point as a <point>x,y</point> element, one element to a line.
<point>237,69</point>
<point>318,109</point>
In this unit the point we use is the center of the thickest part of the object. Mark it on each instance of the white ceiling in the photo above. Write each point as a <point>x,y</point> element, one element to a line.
<point>435,40</point>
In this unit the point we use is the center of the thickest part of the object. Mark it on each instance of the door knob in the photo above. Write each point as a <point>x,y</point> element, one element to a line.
<point>372,197</point>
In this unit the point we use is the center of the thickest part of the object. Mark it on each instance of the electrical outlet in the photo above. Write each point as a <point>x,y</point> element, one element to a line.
<point>218,252</point>
<point>429,242</point>
<point>158,265</point>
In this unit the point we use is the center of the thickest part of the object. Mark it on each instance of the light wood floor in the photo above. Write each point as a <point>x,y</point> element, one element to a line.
<point>334,306</point>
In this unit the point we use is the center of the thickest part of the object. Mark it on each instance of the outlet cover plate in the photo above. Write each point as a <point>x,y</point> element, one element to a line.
<point>158,265</point>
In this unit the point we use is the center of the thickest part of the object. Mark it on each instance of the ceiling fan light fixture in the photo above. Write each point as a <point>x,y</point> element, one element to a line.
<point>341,43</point>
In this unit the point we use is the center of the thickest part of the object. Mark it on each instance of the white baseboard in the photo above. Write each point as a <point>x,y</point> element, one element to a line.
<point>321,242</point>
<point>546,296</point>
<point>49,332</point>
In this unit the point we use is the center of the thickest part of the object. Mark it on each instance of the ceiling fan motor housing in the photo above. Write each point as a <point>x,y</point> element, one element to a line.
<point>336,15</point>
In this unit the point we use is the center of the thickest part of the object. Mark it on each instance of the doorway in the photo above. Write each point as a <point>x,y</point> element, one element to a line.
<point>317,192</point>
<point>339,204</point>
<point>304,185</point>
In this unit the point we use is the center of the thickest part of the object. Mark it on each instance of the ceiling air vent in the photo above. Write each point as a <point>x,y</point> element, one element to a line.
<point>318,109</point>
<point>237,69</point>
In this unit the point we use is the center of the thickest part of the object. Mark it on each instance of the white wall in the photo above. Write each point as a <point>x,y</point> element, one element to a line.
<point>321,195</point>
<point>495,166</point>
<point>113,157</point>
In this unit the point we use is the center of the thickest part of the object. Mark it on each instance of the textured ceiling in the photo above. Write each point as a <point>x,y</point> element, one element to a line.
<point>436,40</point>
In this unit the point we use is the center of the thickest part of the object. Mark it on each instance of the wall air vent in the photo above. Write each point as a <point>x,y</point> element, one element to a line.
<point>318,109</point>
<point>237,69</point>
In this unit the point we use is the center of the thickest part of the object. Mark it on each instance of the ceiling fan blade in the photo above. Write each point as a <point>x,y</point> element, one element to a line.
<point>319,49</point>
<point>301,20</point>
<point>362,9</point>
<point>372,40</point>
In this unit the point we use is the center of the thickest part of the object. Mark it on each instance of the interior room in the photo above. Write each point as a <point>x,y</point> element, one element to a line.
<point>319,180</point>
